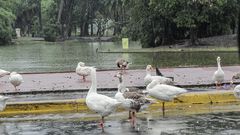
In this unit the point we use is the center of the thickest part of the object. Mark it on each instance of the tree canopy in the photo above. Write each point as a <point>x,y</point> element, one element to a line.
<point>152,22</point>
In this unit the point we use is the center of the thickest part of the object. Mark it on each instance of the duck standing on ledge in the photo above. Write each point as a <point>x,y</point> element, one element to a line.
<point>99,103</point>
<point>218,76</point>
<point>163,92</point>
<point>83,70</point>
<point>15,79</point>
<point>149,78</point>
<point>3,73</point>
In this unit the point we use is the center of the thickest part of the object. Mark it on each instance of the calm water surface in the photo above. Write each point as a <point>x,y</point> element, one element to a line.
<point>35,56</point>
<point>214,124</point>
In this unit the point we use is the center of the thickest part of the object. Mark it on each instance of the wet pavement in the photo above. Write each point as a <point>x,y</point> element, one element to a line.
<point>70,81</point>
<point>226,123</point>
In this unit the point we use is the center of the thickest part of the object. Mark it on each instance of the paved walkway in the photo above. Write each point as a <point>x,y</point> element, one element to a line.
<point>105,80</point>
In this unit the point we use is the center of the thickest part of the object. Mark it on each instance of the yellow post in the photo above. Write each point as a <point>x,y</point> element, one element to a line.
<point>125,43</point>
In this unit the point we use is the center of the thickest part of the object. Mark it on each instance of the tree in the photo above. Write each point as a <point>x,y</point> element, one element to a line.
<point>6,21</point>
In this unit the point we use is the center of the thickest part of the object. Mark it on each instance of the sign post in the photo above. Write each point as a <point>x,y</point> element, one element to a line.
<point>125,43</point>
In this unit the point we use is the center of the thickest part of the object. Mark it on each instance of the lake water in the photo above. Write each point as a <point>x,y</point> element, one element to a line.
<point>39,56</point>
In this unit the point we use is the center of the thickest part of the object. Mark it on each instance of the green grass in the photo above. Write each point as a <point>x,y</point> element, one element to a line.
<point>165,49</point>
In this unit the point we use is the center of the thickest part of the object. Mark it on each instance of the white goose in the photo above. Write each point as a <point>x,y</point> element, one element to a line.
<point>99,103</point>
<point>236,91</point>
<point>149,78</point>
<point>163,92</point>
<point>83,70</point>
<point>3,101</point>
<point>15,79</point>
<point>131,101</point>
<point>218,75</point>
<point>3,73</point>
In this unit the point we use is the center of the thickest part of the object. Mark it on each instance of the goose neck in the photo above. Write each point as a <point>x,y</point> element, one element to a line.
<point>93,88</point>
<point>150,85</point>
<point>219,65</point>
<point>148,73</point>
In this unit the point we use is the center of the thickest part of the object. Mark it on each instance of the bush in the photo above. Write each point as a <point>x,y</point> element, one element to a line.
<point>50,32</point>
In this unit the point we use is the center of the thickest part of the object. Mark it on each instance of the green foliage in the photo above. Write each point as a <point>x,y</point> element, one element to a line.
<point>153,22</point>
<point>6,25</point>
<point>50,32</point>
<point>157,22</point>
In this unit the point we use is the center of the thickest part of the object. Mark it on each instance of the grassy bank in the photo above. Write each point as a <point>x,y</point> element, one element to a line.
<point>179,49</point>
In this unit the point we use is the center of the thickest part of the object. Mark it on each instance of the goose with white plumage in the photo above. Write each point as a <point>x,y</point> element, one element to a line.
<point>236,91</point>
<point>3,100</point>
<point>218,76</point>
<point>101,104</point>
<point>160,79</point>
<point>3,73</point>
<point>163,92</point>
<point>15,79</point>
<point>83,70</point>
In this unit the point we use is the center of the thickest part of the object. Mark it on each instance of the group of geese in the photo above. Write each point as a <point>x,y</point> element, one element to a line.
<point>158,87</point>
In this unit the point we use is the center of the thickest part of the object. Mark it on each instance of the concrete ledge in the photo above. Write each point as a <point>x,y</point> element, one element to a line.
<point>78,105</point>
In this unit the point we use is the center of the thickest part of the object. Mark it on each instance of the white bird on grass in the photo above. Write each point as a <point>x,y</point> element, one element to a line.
<point>99,103</point>
<point>83,70</point>
<point>15,79</point>
<point>218,75</point>
<point>160,79</point>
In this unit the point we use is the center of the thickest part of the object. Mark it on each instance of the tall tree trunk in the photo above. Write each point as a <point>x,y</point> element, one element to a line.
<point>91,28</point>
<point>60,11</point>
<point>65,17</point>
<point>68,20</point>
<point>40,14</point>
<point>238,34</point>
<point>193,36</point>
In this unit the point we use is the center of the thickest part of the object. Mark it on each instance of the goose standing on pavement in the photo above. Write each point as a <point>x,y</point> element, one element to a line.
<point>122,64</point>
<point>3,101</point>
<point>149,78</point>
<point>3,73</point>
<point>236,91</point>
<point>83,70</point>
<point>164,92</point>
<point>132,101</point>
<point>15,79</point>
<point>99,103</point>
<point>218,75</point>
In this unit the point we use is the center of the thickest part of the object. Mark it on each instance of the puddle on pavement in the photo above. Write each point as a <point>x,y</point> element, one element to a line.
<point>57,124</point>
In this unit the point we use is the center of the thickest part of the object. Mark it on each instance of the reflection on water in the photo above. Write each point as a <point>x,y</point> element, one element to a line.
<point>43,57</point>
<point>217,124</point>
